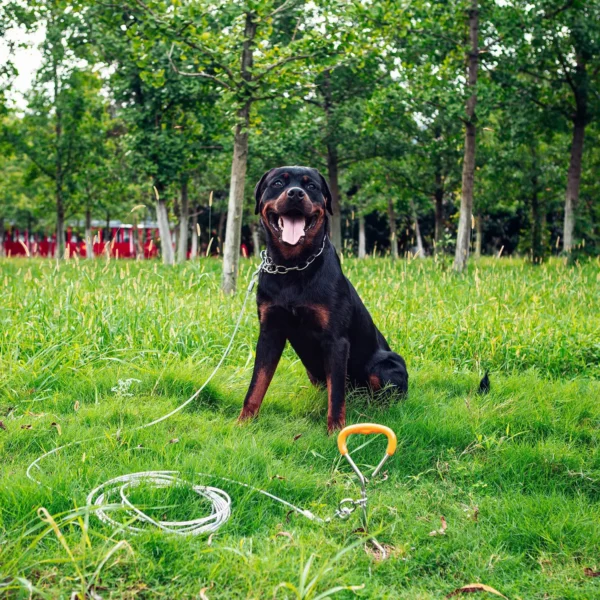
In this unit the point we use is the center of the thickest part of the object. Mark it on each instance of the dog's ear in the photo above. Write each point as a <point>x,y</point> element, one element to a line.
<point>326,194</point>
<point>258,191</point>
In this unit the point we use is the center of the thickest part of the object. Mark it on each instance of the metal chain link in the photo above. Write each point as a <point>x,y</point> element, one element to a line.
<point>343,512</point>
<point>268,266</point>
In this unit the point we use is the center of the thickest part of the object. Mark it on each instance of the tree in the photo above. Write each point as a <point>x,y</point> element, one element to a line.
<point>248,51</point>
<point>53,133</point>
<point>560,56</point>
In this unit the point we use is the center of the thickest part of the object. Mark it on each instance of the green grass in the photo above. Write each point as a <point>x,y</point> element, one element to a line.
<point>516,473</point>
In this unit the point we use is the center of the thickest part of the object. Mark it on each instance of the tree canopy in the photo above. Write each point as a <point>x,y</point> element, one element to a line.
<point>443,127</point>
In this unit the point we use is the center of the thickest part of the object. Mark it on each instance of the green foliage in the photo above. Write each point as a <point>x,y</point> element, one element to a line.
<point>149,95</point>
<point>515,473</point>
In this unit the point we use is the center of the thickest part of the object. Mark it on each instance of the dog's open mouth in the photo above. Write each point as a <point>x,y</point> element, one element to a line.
<point>291,227</point>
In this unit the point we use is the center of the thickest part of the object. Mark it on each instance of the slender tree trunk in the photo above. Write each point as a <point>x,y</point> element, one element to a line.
<point>334,186</point>
<point>362,238</point>
<point>194,249</point>
<point>468,175</point>
<point>58,165</point>
<point>166,243</point>
<point>573,182</point>
<point>255,239</point>
<point>89,240</point>
<point>136,240</point>
<point>439,209</point>
<point>233,231</point>
<point>184,223</point>
<point>420,246</point>
<point>478,236</point>
<point>332,166</point>
<point>393,229</point>
<point>538,220</point>
<point>60,222</point>
<point>233,234</point>
<point>220,229</point>
<point>2,252</point>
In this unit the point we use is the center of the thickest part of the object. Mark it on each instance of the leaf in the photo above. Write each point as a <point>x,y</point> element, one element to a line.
<point>174,441</point>
<point>444,525</point>
<point>26,426</point>
<point>57,425</point>
<point>297,436</point>
<point>76,406</point>
<point>471,588</point>
<point>591,573</point>
<point>3,426</point>
<point>374,552</point>
<point>442,530</point>
<point>286,534</point>
<point>278,477</point>
<point>203,591</point>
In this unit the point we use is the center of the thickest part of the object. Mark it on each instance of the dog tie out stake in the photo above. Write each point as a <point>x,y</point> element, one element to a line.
<point>347,506</point>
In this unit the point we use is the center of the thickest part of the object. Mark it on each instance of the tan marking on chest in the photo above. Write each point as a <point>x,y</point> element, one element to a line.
<point>321,314</point>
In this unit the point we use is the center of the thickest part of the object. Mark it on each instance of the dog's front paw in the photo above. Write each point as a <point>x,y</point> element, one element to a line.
<point>245,415</point>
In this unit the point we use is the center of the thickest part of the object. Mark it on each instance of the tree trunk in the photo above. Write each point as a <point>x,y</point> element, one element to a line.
<point>138,239</point>
<point>420,246</point>
<point>233,232</point>
<point>362,238</point>
<point>2,252</point>
<point>573,182</point>
<point>255,239</point>
<point>220,228</point>
<point>60,222</point>
<point>478,236</point>
<point>393,232</point>
<point>334,186</point>
<point>166,243</point>
<point>184,223</point>
<point>89,240</point>
<point>538,219</point>
<point>468,175</point>
<point>194,249</point>
<point>332,166</point>
<point>439,209</point>
<point>59,166</point>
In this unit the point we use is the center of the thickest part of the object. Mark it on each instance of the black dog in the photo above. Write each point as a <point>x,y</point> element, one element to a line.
<point>312,305</point>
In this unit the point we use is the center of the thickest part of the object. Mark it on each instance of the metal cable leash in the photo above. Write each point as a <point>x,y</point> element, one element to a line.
<point>36,462</point>
<point>102,498</point>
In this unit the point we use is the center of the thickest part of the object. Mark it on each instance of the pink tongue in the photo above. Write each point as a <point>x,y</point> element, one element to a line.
<point>292,229</point>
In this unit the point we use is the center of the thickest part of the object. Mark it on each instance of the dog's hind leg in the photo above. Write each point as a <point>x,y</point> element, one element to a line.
<point>388,370</point>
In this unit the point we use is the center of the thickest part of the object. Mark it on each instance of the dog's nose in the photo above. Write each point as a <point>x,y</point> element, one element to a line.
<point>295,193</point>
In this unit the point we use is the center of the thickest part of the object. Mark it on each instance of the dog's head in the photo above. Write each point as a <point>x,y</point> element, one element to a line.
<point>293,203</point>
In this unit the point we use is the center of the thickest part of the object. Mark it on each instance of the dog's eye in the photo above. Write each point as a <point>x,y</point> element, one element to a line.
<point>277,183</point>
<point>311,186</point>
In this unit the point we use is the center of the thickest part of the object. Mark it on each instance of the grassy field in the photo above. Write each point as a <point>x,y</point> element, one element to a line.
<point>515,474</point>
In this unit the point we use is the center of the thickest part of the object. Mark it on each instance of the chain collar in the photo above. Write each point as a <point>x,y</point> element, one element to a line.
<point>268,266</point>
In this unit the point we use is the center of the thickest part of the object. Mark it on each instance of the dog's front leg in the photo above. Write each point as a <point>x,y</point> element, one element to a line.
<point>269,348</point>
<point>336,362</point>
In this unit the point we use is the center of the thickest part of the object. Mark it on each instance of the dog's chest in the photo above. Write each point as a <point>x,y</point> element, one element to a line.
<point>307,317</point>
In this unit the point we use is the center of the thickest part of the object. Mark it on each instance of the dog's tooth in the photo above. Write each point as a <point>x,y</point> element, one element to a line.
<point>280,222</point>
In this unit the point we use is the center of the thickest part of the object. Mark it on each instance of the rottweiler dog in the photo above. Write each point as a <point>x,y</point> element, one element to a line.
<point>304,297</point>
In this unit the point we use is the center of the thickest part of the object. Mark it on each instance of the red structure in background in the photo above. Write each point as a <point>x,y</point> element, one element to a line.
<point>122,243</point>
